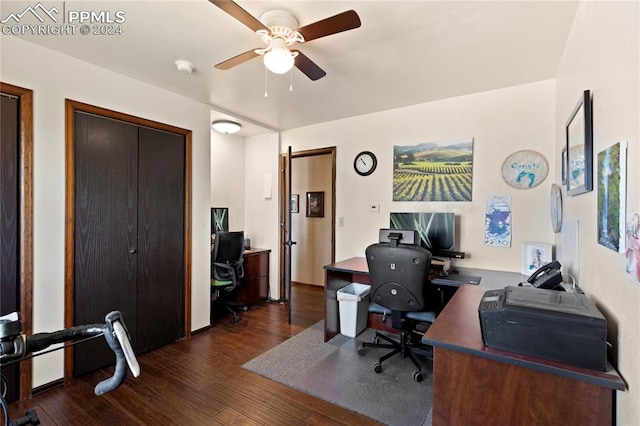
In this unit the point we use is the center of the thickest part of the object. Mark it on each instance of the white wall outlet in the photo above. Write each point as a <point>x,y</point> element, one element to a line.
<point>374,207</point>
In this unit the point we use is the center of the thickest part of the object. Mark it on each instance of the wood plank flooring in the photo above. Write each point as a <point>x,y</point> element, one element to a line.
<point>200,381</point>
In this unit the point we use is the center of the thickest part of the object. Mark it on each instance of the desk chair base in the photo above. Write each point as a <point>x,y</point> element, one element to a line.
<point>227,305</point>
<point>218,288</point>
<point>404,347</point>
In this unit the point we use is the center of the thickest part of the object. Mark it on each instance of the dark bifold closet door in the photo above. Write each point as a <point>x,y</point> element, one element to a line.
<point>129,234</point>
<point>160,238</point>
<point>9,223</point>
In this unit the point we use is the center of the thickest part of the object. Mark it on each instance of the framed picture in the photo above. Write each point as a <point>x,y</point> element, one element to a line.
<point>535,256</point>
<point>612,207</point>
<point>564,165</point>
<point>579,131</point>
<point>219,219</point>
<point>315,204</point>
<point>295,208</point>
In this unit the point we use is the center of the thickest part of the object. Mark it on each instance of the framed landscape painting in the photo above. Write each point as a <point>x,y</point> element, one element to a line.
<point>612,196</point>
<point>433,171</point>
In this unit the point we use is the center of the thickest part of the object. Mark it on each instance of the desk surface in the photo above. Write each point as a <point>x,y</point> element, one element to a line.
<point>484,277</point>
<point>458,328</point>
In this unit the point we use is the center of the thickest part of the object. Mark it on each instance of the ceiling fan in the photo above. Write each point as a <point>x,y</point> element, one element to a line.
<point>279,30</point>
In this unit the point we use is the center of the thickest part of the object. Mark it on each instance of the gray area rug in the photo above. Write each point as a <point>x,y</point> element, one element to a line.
<point>334,371</point>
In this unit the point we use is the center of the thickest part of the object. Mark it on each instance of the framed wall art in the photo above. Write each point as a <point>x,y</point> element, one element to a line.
<point>295,206</point>
<point>612,207</point>
<point>579,132</point>
<point>315,204</point>
<point>535,256</point>
<point>219,219</point>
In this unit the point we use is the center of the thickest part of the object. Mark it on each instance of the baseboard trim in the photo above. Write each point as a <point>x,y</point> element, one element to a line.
<point>200,330</point>
<point>46,387</point>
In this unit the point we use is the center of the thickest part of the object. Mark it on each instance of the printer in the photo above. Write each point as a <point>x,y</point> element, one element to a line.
<point>554,325</point>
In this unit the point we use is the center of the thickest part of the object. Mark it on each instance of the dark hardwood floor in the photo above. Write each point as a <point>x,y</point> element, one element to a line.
<point>200,381</point>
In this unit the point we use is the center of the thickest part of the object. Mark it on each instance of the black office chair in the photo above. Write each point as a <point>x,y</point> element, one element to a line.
<point>398,269</point>
<point>227,269</point>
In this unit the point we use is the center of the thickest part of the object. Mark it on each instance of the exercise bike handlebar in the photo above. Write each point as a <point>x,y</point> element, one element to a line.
<point>17,347</point>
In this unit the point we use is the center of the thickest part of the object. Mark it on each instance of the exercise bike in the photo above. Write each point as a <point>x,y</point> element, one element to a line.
<point>16,346</point>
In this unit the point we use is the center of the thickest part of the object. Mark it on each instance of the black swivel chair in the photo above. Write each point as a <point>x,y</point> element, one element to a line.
<point>227,269</point>
<point>398,269</point>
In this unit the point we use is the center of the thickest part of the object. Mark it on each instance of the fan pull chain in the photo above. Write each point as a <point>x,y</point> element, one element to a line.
<point>291,84</point>
<point>265,82</point>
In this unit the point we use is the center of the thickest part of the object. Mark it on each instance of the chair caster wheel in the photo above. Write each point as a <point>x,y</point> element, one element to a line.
<point>236,319</point>
<point>361,351</point>
<point>377,367</point>
<point>417,376</point>
<point>245,308</point>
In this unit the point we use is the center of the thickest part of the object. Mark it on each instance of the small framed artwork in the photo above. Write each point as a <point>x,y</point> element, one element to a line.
<point>315,204</point>
<point>294,204</point>
<point>219,219</point>
<point>564,165</point>
<point>535,256</point>
<point>579,131</point>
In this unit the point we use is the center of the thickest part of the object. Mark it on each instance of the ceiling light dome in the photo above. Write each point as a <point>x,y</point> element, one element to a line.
<point>279,59</point>
<point>226,126</point>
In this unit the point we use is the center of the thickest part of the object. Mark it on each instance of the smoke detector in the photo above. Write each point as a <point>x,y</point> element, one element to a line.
<point>185,66</point>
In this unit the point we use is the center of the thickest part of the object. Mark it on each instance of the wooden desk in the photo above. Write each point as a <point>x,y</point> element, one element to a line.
<point>254,286</point>
<point>355,270</point>
<point>477,385</point>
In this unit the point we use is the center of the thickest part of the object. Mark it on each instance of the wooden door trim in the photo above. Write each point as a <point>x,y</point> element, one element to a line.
<point>71,107</point>
<point>331,150</point>
<point>26,223</point>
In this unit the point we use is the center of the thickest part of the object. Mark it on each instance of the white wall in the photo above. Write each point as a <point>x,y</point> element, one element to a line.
<point>500,121</point>
<point>228,176</point>
<point>602,55</point>
<point>261,221</point>
<point>54,77</point>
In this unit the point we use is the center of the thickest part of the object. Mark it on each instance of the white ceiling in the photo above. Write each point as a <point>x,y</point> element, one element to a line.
<point>405,53</point>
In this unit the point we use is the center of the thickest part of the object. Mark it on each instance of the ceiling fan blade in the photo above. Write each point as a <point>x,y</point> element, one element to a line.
<point>240,14</point>
<point>308,67</point>
<point>341,22</point>
<point>237,60</point>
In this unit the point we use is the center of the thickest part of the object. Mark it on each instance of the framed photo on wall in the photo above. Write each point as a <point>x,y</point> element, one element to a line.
<point>579,131</point>
<point>219,219</point>
<point>295,206</point>
<point>315,204</point>
<point>535,256</point>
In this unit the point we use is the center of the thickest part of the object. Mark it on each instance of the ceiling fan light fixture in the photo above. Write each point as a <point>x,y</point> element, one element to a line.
<point>226,126</point>
<point>278,59</point>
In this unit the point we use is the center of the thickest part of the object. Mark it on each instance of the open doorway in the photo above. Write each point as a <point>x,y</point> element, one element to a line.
<point>313,176</point>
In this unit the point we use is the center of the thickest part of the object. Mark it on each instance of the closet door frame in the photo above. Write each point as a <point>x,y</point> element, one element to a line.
<point>26,223</point>
<point>71,107</point>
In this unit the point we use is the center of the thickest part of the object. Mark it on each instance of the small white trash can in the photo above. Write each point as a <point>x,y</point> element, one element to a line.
<point>354,308</point>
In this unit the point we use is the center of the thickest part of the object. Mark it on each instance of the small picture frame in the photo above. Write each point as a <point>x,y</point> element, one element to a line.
<point>315,204</point>
<point>535,256</point>
<point>294,203</point>
<point>219,219</point>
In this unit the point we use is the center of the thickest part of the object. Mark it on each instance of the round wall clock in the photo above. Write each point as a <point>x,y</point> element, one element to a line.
<point>555,203</point>
<point>365,163</point>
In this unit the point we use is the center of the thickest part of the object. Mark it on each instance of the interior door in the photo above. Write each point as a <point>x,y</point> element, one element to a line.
<point>9,223</point>
<point>288,244</point>
<point>160,238</point>
<point>106,229</point>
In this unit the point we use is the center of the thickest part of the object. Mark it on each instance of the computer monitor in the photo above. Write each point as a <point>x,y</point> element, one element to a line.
<point>436,230</point>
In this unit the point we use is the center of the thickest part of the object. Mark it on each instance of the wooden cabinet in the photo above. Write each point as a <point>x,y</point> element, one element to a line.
<point>254,287</point>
